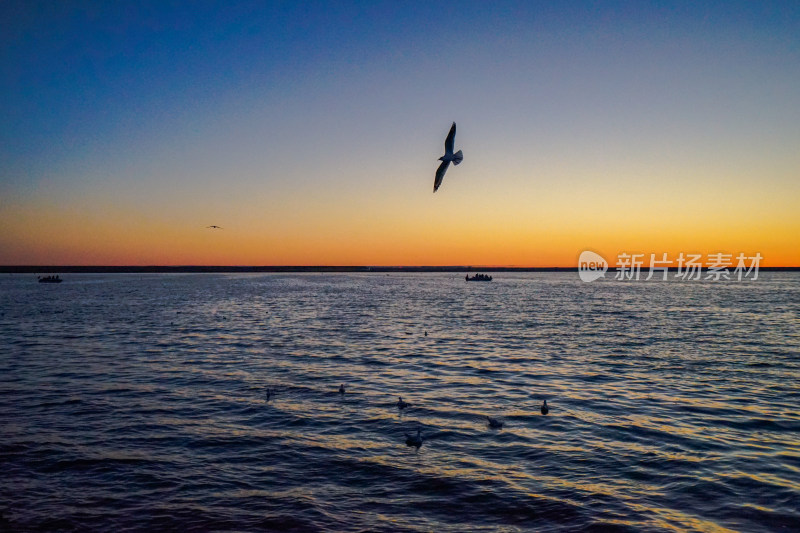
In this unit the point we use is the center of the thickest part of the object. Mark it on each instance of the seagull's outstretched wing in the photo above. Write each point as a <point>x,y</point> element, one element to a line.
<point>450,141</point>
<point>440,174</point>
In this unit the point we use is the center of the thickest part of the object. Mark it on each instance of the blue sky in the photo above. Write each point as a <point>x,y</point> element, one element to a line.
<point>207,112</point>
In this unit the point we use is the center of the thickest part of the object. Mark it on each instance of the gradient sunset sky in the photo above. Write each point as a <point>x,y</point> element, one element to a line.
<point>310,132</point>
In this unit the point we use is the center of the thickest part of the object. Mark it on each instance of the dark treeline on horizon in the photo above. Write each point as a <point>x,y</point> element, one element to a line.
<point>77,269</point>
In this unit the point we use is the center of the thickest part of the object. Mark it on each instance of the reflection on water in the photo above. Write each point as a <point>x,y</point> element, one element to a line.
<point>139,401</point>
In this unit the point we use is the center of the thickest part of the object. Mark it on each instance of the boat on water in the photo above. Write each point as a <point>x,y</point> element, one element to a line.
<point>50,279</point>
<point>478,277</point>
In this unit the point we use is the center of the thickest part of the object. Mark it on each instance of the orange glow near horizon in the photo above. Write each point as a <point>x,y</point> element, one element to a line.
<point>644,130</point>
<point>345,206</point>
<point>412,230</point>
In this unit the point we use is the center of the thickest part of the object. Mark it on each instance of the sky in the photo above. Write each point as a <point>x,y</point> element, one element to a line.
<point>311,131</point>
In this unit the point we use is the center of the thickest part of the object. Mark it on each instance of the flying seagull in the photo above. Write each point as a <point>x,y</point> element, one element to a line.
<point>448,156</point>
<point>214,227</point>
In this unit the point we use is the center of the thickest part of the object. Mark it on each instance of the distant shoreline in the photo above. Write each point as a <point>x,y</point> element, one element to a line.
<point>78,269</point>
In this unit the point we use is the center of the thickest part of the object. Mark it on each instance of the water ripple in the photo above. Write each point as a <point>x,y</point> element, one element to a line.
<point>134,402</point>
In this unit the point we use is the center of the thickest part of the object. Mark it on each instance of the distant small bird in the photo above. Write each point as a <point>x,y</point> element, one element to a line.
<point>426,333</point>
<point>401,404</point>
<point>448,156</point>
<point>414,440</point>
<point>494,423</point>
<point>270,394</point>
<point>341,388</point>
<point>215,227</point>
<point>545,409</point>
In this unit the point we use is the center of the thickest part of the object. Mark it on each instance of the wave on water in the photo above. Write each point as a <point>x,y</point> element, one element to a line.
<point>138,402</point>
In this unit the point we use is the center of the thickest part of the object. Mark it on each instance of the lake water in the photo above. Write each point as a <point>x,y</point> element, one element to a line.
<point>137,402</point>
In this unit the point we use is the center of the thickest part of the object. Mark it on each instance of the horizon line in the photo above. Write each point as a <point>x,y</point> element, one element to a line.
<point>100,269</point>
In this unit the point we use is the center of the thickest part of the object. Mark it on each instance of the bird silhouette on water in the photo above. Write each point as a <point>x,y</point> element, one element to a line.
<point>415,440</point>
<point>401,404</point>
<point>270,394</point>
<point>545,409</point>
<point>341,389</point>
<point>494,423</point>
<point>448,157</point>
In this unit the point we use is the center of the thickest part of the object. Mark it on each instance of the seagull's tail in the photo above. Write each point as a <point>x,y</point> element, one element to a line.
<point>458,157</point>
